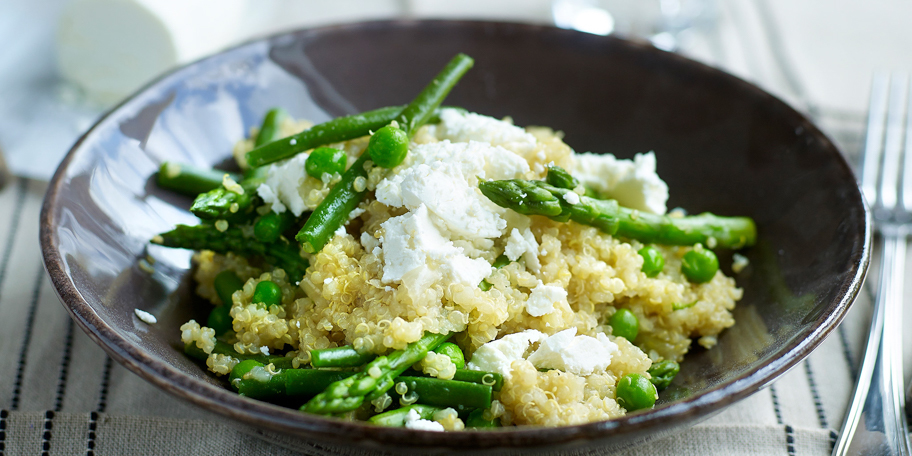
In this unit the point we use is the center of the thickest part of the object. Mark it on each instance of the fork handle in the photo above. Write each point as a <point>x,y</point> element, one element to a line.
<point>875,423</point>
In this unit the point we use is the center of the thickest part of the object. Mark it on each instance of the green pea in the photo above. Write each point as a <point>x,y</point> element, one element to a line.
<point>220,319</point>
<point>663,372</point>
<point>268,293</point>
<point>699,265</point>
<point>624,324</point>
<point>388,147</point>
<point>226,283</point>
<point>325,160</point>
<point>453,352</point>
<point>653,261</point>
<point>636,392</point>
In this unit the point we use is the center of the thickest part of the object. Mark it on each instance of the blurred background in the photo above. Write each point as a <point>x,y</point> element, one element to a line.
<point>66,61</point>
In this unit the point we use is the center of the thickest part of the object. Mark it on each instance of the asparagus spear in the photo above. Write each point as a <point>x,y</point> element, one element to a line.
<point>280,253</point>
<point>377,377</point>
<point>541,198</point>
<point>396,417</point>
<point>344,197</point>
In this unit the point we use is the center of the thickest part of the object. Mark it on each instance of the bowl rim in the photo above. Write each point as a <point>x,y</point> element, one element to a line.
<point>275,418</point>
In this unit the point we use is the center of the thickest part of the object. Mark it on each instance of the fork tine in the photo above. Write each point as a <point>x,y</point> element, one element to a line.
<point>889,179</point>
<point>877,112</point>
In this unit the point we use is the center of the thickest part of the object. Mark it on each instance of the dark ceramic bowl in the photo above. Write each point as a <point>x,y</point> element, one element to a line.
<point>722,144</point>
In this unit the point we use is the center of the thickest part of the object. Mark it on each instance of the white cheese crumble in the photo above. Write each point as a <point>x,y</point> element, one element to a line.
<point>412,241</point>
<point>498,355</point>
<point>146,317</point>
<point>458,126</point>
<point>739,262</point>
<point>283,181</point>
<point>413,421</point>
<point>543,298</point>
<point>444,177</point>
<point>633,183</point>
<point>523,244</point>
<point>571,198</point>
<point>580,355</point>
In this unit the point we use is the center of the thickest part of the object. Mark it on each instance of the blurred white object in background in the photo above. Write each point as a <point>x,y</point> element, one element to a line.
<point>111,47</point>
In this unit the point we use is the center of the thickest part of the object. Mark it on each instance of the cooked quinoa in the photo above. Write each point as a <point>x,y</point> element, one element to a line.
<point>348,298</point>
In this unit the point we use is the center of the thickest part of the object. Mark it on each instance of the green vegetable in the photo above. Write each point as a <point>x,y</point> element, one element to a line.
<point>635,392</point>
<point>624,324</point>
<point>653,261</point>
<point>333,212</point>
<point>188,179</point>
<point>452,351</point>
<point>377,378</point>
<point>663,372</point>
<point>682,305</point>
<point>207,237</point>
<point>272,125</point>
<point>345,356</point>
<point>560,178</point>
<point>540,198</point>
<point>492,379</point>
<point>222,348</point>
<point>333,131</point>
<point>226,283</point>
<point>267,293</point>
<point>325,160</point>
<point>345,195</point>
<point>220,319</point>
<point>476,420</point>
<point>420,110</point>
<point>699,265</point>
<point>396,418</point>
<point>448,393</point>
<point>388,147</point>
<point>284,383</point>
<point>269,226</point>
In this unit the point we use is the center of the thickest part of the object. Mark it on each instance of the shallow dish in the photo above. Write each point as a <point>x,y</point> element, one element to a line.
<point>722,145</point>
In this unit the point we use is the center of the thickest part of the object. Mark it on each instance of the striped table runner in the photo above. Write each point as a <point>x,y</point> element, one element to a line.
<point>61,394</point>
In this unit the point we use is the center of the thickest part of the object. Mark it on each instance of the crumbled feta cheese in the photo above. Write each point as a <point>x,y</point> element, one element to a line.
<point>146,317</point>
<point>523,243</point>
<point>459,126</point>
<point>369,242</point>
<point>497,355</point>
<point>340,231</point>
<point>571,198</point>
<point>633,183</point>
<point>739,262</point>
<point>355,213</point>
<point>283,179</point>
<point>580,355</point>
<point>411,241</point>
<point>264,350</point>
<point>543,298</point>
<point>413,421</point>
<point>444,177</point>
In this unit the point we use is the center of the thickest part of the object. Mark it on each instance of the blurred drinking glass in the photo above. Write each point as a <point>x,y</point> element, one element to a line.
<point>668,24</point>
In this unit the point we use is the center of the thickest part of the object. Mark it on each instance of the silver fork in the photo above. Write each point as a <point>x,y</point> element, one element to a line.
<point>875,423</point>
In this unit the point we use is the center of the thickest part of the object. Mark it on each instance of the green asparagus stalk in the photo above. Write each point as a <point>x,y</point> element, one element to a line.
<point>344,196</point>
<point>188,179</point>
<point>377,377</point>
<point>250,379</point>
<point>447,393</point>
<point>345,356</point>
<point>540,198</point>
<point>280,253</point>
